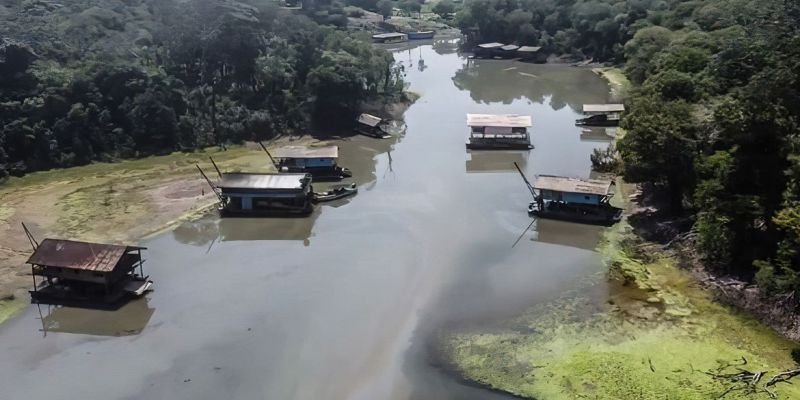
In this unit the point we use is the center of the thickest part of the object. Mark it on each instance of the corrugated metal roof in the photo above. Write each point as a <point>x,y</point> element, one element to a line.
<point>369,120</point>
<point>307,152</point>
<point>529,49</point>
<point>235,180</point>
<point>505,121</point>
<point>493,45</point>
<point>510,47</point>
<point>603,108</point>
<point>572,185</point>
<point>79,255</point>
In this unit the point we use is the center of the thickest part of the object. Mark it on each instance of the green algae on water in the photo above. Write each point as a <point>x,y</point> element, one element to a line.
<point>647,332</point>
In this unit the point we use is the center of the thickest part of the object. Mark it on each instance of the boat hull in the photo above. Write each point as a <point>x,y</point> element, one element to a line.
<point>496,145</point>
<point>119,296</point>
<point>421,35</point>
<point>605,216</point>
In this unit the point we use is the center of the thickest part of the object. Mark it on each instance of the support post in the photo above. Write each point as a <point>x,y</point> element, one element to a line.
<point>215,166</point>
<point>268,155</point>
<point>214,189</point>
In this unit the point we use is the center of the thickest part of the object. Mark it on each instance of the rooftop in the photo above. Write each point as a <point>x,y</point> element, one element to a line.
<point>572,185</point>
<point>505,121</point>
<point>236,180</point>
<point>307,152</point>
<point>510,47</point>
<point>79,255</point>
<point>529,49</point>
<point>493,45</point>
<point>603,108</point>
<point>369,120</point>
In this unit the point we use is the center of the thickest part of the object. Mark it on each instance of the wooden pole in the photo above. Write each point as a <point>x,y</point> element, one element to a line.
<point>31,239</point>
<point>268,155</point>
<point>215,166</point>
<point>524,178</point>
<point>214,189</point>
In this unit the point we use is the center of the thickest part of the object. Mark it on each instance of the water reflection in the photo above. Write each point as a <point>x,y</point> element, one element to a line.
<point>495,161</point>
<point>598,134</point>
<point>130,319</point>
<point>496,81</point>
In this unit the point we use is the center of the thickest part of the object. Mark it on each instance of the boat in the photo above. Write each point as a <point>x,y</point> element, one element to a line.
<point>498,132</point>
<point>87,275</point>
<point>251,194</point>
<point>320,162</point>
<point>601,115</point>
<point>572,199</point>
<point>335,193</point>
<point>421,35</point>
<point>391,37</point>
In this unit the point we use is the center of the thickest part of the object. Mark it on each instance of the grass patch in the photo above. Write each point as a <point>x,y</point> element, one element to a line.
<point>620,85</point>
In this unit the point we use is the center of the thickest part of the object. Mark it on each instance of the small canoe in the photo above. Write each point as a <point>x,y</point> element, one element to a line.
<point>335,193</point>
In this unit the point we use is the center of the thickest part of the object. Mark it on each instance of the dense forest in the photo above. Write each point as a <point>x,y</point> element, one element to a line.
<point>89,80</point>
<point>713,121</point>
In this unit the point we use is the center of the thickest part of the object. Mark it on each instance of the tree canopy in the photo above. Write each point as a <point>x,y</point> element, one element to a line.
<point>89,80</point>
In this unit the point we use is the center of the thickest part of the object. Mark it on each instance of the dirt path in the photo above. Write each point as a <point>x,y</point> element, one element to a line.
<point>114,203</point>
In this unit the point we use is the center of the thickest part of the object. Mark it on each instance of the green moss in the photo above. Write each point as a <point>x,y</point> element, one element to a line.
<point>619,83</point>
<point>648,332</point>
<point>10,308</point>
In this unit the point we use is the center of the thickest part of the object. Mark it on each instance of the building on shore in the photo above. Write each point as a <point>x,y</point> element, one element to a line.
<point>509,131</point>
<point>370,125</point>
<point>95,275</point>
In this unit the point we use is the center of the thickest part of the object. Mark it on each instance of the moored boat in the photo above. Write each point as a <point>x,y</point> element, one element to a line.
<point>572,199</point>
<point>335,193</point>
<point>421,35</point>
<point>498,132</point>
<point>601,115</point>
<point>320,162</point>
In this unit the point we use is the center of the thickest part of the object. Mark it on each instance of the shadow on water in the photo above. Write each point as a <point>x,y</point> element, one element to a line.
<point>130,319</point>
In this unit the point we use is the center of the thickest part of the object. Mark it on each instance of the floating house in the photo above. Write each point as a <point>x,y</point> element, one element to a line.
<point>95,275</point>
<point>532,54</point>
<point>601,114</point>
<point>320,162</point>
<point>371,125</point>
<point>499,131</point>
<point>574,199</point>
<point>508,51</point>
<point>264,194</point>
<point>392,37</point>
<point>488,50</point>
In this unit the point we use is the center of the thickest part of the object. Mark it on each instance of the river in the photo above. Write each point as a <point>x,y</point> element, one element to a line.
<point>343,304</point>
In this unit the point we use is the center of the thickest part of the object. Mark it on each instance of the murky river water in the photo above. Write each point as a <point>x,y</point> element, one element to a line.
<point>342,305</point>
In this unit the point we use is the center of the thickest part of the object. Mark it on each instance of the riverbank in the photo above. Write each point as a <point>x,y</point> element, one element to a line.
<point>646,330</point>
<point>617,81</point>
<point>121,202</point>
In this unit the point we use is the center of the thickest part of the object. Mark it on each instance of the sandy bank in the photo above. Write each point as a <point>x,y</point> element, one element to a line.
<point>117,202</point>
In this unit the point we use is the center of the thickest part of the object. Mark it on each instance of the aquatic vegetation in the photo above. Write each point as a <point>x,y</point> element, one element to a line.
<point>618,82</point>
<point>647,332</point>
<point>9,308</point>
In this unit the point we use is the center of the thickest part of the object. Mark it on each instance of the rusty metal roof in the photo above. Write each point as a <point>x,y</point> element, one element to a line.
<point>79,255</point>
<point>572,185</point>
<point>306,152</point>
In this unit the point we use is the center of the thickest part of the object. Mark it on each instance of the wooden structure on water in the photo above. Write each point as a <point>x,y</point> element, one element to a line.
<point>488,50</point>
<point>391,37</point>
<point>264,194</point>
<point>320,162</point>
<point>532,54</point>
<point>84,274</point>
<point>372,126</point>
<point>601,115</point>
<point>573,199</point>
<point>507,51</point>
<point>508,132</point>
<point>421,35</point>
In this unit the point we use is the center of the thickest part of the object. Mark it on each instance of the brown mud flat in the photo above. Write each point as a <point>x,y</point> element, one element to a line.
<point>120,202</point>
